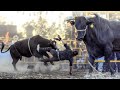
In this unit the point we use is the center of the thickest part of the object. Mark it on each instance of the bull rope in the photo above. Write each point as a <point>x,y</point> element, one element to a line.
<point>29,47</point>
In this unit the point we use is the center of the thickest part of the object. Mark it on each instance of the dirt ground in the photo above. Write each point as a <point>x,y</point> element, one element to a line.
<point>43,72</point>
<point>37,75</point>
<point>57,75</point>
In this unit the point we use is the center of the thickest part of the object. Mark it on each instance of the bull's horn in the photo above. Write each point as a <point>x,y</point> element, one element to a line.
<point>92,15</point>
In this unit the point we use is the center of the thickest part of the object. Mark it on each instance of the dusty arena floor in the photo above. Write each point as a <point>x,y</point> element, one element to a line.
<point>43,72</point>
<point>36,75</point>
<point>57,75</point>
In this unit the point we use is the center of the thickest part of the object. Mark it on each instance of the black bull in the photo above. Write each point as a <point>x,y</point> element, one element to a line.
<point>28,48</point>
<point>101,37</point>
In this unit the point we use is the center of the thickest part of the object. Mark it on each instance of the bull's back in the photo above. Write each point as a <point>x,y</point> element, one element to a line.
<point>115,28</point>
<point>116,44</point>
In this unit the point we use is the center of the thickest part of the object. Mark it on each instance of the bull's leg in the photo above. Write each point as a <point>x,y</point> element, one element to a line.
<point>51,62</point>
<point>111,69</point>
<point>118,63</point>
<point>41,58</point>
<point>97,65</point>
<point>45,63</point>
<point>91,60</point>
<point>118,66</point>
<point>105,67</point>
<point>108,53</point>
<point>48,57</point>
<point>14,63</point>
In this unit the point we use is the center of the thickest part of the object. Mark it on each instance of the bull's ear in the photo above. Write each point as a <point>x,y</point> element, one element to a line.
<point>75,18</point>
<point>89,22</point>
<point>92,15</point>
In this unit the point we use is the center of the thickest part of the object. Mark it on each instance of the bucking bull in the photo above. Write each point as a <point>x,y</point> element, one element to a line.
<point>28,48</point>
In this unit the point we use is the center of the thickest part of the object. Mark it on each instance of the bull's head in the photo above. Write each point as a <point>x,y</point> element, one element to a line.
<point>53,44</point>
<point>81,24</point>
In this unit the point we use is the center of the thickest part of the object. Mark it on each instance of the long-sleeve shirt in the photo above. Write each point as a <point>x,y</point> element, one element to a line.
<point>66,54</point>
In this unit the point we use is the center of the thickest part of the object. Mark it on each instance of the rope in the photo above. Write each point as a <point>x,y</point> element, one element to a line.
<point>29,47</point>
<point>94,67</point>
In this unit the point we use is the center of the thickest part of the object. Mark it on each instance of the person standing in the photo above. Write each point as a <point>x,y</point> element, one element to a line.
<point>15,39</point>
<point>71,35</point>
<point>7,37</point>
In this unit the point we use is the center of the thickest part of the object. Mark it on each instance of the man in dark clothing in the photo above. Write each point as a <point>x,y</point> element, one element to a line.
<point>66,54</point>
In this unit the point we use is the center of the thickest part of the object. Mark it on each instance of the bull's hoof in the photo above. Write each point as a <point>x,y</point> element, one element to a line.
<point>15,70</point>
<point>103,71</point>
<point>70,73</point>
<point>42,60</point>
<point>90,71</point>
<point>112,73</point>
<point>52,63</point>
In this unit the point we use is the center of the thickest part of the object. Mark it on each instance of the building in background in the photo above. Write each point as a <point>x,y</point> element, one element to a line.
<point>12,29</point>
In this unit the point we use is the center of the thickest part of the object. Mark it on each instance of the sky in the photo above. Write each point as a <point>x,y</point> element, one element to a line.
<point>17,18</point>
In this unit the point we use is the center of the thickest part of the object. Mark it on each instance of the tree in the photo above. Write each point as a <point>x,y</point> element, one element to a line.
<point>41,28</point>
<point>29,30</point>
<point>2,21</point>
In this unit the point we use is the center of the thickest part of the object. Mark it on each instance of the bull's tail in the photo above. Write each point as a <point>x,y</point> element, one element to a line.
<point>2,47</point>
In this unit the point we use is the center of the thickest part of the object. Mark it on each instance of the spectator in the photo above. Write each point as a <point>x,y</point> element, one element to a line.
<point>15,39</point>
<point>81,61</point>
<point>7,37</point>
<point>70,32</point>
